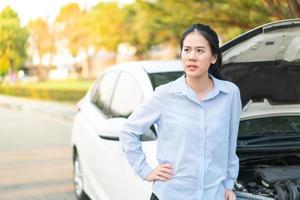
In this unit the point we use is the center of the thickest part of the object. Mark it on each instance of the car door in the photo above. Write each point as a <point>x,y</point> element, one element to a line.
<point>120,181</point>
<point>90,147</point>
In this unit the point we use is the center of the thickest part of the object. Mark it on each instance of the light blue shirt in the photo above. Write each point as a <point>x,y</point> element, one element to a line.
<point>197,137</point>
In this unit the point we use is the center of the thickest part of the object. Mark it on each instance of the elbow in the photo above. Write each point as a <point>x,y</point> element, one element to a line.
<point>123,136</point>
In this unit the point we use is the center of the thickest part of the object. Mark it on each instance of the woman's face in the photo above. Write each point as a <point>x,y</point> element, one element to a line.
<point>196,55</point>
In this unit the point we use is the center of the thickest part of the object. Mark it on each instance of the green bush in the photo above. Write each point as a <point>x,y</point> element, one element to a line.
<point>58,94</point>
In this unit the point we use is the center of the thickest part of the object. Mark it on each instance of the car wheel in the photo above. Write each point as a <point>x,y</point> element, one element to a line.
<point>78,179</point>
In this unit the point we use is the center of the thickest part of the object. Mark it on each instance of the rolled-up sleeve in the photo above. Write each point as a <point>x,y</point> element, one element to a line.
<point>137,124</point>
<point>233,160</point>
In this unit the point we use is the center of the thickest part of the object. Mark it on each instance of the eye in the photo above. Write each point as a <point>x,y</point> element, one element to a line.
<point>186,50</point>
<point>200,50</point>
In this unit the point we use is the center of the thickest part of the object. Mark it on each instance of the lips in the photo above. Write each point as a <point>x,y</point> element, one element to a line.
<point>192,67</point>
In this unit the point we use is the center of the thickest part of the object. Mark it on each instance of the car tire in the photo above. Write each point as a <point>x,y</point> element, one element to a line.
<point>78,179</point>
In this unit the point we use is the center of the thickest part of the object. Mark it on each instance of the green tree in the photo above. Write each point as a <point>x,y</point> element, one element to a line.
<point>70,21</point>
<point>106,23</point>
<point>283,9</point>
<point>175,17</point>
<point>231,18</point>
<point>234,17</point>
<point>150,23</point>
<point>144,24</point>
<point>42,42</point>
<point>163,21</point>
<point>13,42</point>
<point>141,20</point>
<point>74,30</point>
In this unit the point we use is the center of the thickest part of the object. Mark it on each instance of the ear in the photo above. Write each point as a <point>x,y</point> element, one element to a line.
<point>214,59</point>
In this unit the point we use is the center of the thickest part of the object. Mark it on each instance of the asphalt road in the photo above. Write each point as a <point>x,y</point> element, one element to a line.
<point>35,157</point>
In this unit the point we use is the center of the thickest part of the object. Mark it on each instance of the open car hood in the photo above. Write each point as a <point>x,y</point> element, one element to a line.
<point>265,63</point>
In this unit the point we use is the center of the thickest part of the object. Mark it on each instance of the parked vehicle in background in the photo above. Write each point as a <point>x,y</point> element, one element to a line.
<point>264,63</point>
<point>100,167</point>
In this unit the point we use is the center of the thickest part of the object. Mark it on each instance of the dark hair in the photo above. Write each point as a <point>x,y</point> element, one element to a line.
<point>213,41</point>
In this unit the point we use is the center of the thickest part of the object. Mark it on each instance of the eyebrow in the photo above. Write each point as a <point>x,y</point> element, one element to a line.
<point>198,47</point>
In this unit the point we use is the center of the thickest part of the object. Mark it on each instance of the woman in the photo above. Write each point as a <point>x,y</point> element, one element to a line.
<point>197,119</point>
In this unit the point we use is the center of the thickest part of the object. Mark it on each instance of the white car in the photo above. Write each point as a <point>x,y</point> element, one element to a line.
<point>264,63</point>
<point>100,167</point>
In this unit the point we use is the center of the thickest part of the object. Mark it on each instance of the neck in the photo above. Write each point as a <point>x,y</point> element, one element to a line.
<point>201,85</point>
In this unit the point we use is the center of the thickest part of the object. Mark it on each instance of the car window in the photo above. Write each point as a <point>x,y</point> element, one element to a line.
<point>104,90</point>
<point>278,124</point>
<point>127,96</point>
<point>158,79</point>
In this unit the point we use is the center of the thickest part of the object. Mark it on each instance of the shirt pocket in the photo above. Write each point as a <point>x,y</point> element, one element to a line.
<point>218,133</point>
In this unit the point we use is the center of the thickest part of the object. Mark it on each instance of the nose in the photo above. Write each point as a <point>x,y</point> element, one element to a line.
<point>192,55</point>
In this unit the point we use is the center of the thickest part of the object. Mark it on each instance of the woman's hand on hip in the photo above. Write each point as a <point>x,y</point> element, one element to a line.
<point>229,195</point>
<point>162,172</point>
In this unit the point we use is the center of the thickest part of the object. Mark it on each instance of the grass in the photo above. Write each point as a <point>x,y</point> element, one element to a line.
<point>70,84</point>
<point>65,90</point>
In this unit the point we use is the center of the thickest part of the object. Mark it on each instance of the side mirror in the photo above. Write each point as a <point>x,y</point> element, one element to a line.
<point>111,128</point>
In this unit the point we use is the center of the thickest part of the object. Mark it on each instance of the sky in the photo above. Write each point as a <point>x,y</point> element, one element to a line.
<point>48,9</point>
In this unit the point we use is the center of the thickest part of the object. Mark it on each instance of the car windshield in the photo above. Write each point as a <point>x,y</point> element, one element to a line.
<point>279,125</point>
<point>161,78</point>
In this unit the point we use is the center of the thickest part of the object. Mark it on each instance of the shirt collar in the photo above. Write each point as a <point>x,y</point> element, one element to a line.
<point>180,85</point>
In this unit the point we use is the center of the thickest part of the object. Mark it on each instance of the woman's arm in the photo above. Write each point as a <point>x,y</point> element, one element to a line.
<point>137,124</point>
<point>233,160</point>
